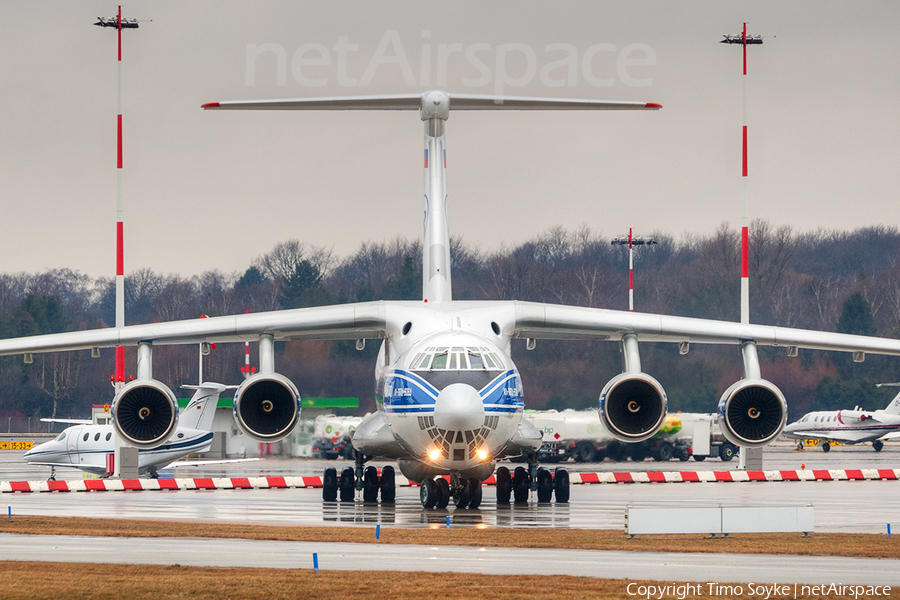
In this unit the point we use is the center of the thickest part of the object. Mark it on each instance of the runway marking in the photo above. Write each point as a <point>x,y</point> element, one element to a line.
<point>244,483</point>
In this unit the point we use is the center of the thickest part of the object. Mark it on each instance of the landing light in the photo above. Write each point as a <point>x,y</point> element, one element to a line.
<point>481,453</point>
<point>434,454</point>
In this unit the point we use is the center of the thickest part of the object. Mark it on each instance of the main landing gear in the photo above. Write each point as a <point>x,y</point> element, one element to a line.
<point>367,480</point>
<point>519,485</point>
<point>437,493</point>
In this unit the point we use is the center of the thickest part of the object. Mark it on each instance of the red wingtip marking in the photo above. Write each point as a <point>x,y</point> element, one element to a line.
<point>653,105</point>
<point>210,105</point>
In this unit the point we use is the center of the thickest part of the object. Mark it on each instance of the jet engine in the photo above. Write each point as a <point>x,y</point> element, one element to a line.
<point>145,413</point>
<point>633,406</point>
<point>752,412</point>
<point>267,406</point>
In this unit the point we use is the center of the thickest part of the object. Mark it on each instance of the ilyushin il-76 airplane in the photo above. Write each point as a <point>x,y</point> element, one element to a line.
<point>848,426</point>
<point>449,396</point>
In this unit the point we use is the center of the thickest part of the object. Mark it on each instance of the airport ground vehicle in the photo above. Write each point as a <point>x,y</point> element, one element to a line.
<point>332,435</point>
<point>580,435</point>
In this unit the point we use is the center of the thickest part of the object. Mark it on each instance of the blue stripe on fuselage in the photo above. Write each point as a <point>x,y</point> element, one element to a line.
<point>406,392</point>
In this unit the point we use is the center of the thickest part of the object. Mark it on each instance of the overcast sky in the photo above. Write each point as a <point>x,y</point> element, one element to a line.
<point>213,190</point>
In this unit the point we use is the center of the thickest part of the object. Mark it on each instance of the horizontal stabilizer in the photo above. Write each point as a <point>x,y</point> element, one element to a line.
<point>69,421</point>
<point>416,101</point>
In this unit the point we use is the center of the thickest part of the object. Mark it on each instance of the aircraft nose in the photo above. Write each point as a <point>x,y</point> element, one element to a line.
<point>459,407</point>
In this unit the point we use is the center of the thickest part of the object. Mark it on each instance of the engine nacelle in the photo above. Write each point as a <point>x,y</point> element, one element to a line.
<point>752,412</point>
<point>145,413</point>
<point>633,406</point>
<point>267,406</point>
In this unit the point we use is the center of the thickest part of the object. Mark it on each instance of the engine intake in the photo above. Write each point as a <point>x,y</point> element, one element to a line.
<point>633,406</point>
<point>752,412</point>
<point>145,413</point>
<point>267,407</point>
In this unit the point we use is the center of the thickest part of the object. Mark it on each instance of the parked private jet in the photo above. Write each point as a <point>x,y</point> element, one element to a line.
<point>86,446</point>
<point>449,395</point>
<point>848,426</point>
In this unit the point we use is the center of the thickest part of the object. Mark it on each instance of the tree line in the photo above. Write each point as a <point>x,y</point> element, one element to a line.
<point>847,281</point>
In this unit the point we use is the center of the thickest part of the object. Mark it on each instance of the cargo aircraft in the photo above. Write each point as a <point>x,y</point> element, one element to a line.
<point>855,426</point>
<point>449,396</point>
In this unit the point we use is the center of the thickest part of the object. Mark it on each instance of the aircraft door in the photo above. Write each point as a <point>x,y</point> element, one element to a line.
<point>73,441</point>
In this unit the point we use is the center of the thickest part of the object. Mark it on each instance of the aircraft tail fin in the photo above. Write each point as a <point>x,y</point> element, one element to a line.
<point>434,108</point>
<point>200,410</point>
<point>894,407</point>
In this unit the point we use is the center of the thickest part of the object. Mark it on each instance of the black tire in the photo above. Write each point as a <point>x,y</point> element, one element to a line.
<point>428,493</point>
<point>616,451</point>
<point>826,447</point>
<point>561,485</point>
<point>699,458</point>
<point>504,485</point>
<point>521,485</point>
<point>443,493</point>
<point>348,485</point>
<point>664,452</point>
<point>877,445</point>
<point>639,452</point>
<point>544,485</point>
<point>584,452</point>
<point>387,485</point>
<point>475,493</point>
<point>463,496</point>
<point>370,485</point>
<point>330,485</point>
<point>727,451</point>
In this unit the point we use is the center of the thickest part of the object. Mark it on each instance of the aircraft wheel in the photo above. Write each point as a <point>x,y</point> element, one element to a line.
<point>387,485</point>
<point>521,485</point>
<point>428,493</point>
<point>504,485</point>
<point>826,446</point>
<point>544,485</point>
<point>877,445</point>
<point>474,493</point>
<point>370,485</point>
<point>330,485</point>
<point>699,458</point>
<point>348,485</point>
<point>443,493</point>
<point>463,496</point>
<point>561,485</point>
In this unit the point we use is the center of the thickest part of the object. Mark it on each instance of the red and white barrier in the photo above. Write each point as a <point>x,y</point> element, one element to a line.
<point>235,483</point>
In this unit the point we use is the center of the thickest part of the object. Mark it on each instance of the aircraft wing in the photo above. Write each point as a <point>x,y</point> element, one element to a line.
<point>890,436</point>
<point>552,321</point>
<point>69,421</point>
<point>340,322</point>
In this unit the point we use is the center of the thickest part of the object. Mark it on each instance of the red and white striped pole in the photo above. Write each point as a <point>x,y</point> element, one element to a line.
<point>632,242</point>
<point>247,370</point>
<point>119,24</point>
<point>120,214</point>
<point>744,41</point>
<point>630,271</point>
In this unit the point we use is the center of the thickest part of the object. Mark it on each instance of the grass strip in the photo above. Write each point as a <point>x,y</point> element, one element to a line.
<point>32,580</point>
<point>820,544</point>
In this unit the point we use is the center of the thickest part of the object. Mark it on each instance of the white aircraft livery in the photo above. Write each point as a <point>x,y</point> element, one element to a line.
<point>86,446</point>
<point>448,393</point>
<point>848,426</point>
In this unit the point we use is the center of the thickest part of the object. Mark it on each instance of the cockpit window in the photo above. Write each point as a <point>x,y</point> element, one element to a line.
<point>61,437</point>
<point>456,358</point>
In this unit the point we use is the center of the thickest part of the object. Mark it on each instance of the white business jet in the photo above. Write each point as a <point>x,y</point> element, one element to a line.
<point>448,393</point>
<point>87,446</point>
<point>848,426</point>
